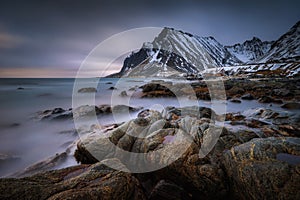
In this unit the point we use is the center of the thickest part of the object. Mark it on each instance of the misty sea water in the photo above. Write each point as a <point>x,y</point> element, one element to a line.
<point>31,140</point>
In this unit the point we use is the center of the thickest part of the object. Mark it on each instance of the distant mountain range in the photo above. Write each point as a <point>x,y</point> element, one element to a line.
<point>177,52</point>
<point>250,50</point>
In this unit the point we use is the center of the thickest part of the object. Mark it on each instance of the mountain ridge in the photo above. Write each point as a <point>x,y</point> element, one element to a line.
<point>191,54</point>
<point>250,50</point>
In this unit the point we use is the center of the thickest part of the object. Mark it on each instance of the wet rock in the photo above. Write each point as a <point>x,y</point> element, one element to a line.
<point>234,117</point>
<point>289,130</point>
<point>157,90</point>
<point>245,135</point>
<point>54,114</point>
<point>125,108</point>
<point>247,97</point>
<point>87,90</point>
<point>277,101</point>
<point>235,101</point>
<point>83,155</point>
<point>265,99</point>
<point>159,93</point>
<point>291,105</point>
<point>268,99</point>
<point>184,132</point>
<point>272,117</point>
<point>282,93</point>
<point>80,182</point>
<point>133,88</point>
<point>255,169</point>
<point>105,108</point>
<point>147,117</point>
<point>96,147</point>
<point>123,94</point>
<point>236,91</point>
<point>63,116</point>
<point>254,123</point>
<point>172,113</point>
<point>112,88</point>
<point>147,133</point>
<point>85,111</point>
<point>203,96</point>
<point>57,111</point>
<point>200,177</point>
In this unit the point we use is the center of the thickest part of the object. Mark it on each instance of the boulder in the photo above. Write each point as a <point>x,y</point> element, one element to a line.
<point>157,90</point>
<point>125,108</point>
<point>172,113</point>
<point>176,148</point>
<point>96,147</point>
<point>87,90</point>
<point>264,168</point>
<point>55,114</point>
<point>177,137</point>
<point>291,105</point>
<point>247,97</point>
<point>234,117</point>
<point>112,88</point>
<point>283,92</point>
<point>85,111</point>
<point>235,90</point>
<point>265,99</point>
<point>123,94</point>
<point>80,182</point>
<point>235,100</point>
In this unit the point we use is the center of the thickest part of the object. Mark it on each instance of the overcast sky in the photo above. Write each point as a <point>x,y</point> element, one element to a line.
<point>52,38</point>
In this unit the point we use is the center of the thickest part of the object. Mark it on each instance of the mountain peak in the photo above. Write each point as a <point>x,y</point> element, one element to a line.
<point>296,26</point>
<point>170,30</point>
<point>250,50</point>
<point>182,52</point>
<point>256,39</point>
<point>286,48</point>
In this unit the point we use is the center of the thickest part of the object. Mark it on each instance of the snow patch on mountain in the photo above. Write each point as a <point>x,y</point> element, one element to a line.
<point>286,48</point>
<point>250,50</point>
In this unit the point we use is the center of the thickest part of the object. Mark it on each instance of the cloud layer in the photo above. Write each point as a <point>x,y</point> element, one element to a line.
<point>48,34</point>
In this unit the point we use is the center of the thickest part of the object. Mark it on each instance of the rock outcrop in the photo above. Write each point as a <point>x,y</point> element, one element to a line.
<point>80,182</point>
<point>167,161</point>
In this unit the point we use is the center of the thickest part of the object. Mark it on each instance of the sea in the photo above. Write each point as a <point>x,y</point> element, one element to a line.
<point>30,140</point>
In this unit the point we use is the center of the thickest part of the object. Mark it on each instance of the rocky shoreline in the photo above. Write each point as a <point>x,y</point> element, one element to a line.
<point>256,156</point>
<point>264,90</point>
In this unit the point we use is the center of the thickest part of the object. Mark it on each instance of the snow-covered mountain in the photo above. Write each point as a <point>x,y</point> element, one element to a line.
<point>180,51</point>
<point>285,49</point>
<point>250,50</point>
<point>175,52</point>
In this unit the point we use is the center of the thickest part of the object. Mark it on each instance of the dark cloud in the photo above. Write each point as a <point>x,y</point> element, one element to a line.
<point>62,32</point>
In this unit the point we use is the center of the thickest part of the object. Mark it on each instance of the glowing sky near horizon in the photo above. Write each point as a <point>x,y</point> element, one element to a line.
<point>52,38</point>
